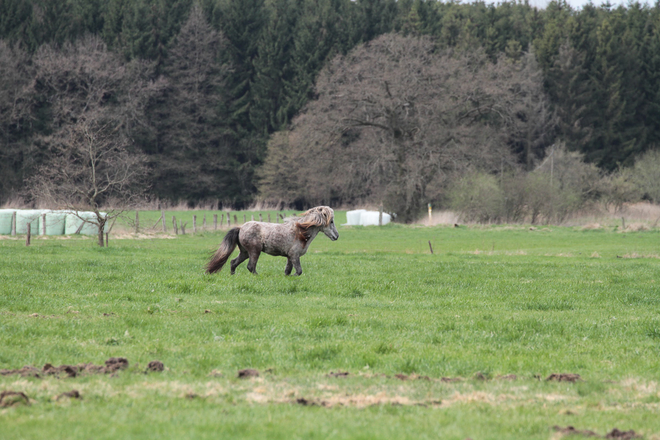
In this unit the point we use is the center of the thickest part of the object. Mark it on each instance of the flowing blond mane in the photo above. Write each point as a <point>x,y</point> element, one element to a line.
<point>320,216</point>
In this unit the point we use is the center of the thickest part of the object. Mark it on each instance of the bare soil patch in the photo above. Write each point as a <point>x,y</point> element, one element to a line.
<point>73,394</point>
<point>564,377</point>
<point>570,430</point>
<point>248,372</point>
<point>11,398</point>
<point>613,434</point>
<point>65,371</point>
<point>155,366</point>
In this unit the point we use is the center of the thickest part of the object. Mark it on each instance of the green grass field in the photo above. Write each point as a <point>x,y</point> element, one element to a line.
<point>490,302</point>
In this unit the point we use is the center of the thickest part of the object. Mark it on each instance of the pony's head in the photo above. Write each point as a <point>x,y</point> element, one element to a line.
<point>322,217</point>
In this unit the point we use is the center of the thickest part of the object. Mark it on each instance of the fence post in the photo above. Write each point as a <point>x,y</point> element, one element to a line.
<point>228,220</point>
<point>183,227</point>
<point>235,220</point>
<point>252,217</point>
<point>222,219</point>
<point>260,218</point>
<point>244,219</point>
<point>43,224</point>
<point>27,237</point>
<point>106,239</point>
<point>174,226</point>
<point>380,215</point>
<point>204,223</point>
<point>137,221</point>
<point>269,217</point>
<point>162,214</point>
<point>194,223</point>
<point>215,222</point>
<point>13,223</point>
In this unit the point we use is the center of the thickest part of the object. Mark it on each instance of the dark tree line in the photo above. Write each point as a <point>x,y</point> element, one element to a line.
<point>222,76</point>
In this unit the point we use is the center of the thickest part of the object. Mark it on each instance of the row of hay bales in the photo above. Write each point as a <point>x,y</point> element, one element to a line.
<point>47,222</point>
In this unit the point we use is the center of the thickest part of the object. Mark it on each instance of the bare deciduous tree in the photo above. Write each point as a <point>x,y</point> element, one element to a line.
<point>96,101</point>
<point>394,117</point>
<point>90,169</point>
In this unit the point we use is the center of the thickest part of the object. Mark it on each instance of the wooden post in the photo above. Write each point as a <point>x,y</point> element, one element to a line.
<point>183,227</point>
<point>106,239</point>
<point>277,218</point>
<point>137,221</point>
<point>194,223</point>
<point>235,220</point>
<point>162,215</point>
<point>252,217</point>
<point>260,218</point>
<point>228,220</point>
<point>269,217</point>
<point>215,222</point>
<point>27,237</point>
<point>204,222</point>
<point>13,223</point>
<point>623,223</point>
<point>222,219</point>
<point>380,215</point>
<point>174,226</point>
<point>43,224</point>
<point>244,219</point>
<point>430,247</point>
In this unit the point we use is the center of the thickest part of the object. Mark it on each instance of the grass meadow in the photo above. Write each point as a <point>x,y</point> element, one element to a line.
<point>431,342</point>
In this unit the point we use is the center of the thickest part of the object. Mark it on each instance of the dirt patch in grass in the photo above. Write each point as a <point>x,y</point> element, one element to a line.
<point>64,371</point>
<point>563,377</point>
<point>11,398</point>
<point>357,400</point>
<point>247,373</point>
<point>338,374</point>
<point>155,366</point>
<point>73,394</point>
<point>570,430</point>
<point>613,434</point>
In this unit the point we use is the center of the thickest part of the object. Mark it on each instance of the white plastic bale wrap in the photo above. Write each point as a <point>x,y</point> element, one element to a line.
<point>353,217</point>
<point>6,218</point>
<point>74,222</point>
<point>28,216</point>
<point>55,222</point>
<point>370,218</point>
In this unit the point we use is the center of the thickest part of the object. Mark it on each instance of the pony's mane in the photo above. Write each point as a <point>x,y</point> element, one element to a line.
<point>320,216</point>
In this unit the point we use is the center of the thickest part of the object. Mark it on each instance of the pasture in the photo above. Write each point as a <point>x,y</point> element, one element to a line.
<point>451,345</point>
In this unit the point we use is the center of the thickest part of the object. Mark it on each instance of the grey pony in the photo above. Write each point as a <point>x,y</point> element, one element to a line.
<point>290,239</point>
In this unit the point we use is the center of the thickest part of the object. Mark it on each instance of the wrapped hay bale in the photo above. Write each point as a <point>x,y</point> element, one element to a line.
<point>28,216</point>
<point>77,222</point>
<point>54,223</point>
<point>353,217</point>
<point>6,219</point>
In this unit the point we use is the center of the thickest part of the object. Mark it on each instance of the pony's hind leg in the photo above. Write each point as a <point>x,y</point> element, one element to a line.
<point>238,260</point>
<point>252,264</point>
<point>289,266</point>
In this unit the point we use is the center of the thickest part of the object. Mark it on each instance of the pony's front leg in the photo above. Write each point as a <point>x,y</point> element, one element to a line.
<point>289,266</point>
<point>296,264</point>
<point>252,264</point>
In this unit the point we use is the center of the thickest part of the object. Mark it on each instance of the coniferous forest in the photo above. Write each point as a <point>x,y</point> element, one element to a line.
<point>221,96</point>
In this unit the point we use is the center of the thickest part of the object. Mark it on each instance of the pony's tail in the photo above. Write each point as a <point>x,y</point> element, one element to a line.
<point>226,248</point>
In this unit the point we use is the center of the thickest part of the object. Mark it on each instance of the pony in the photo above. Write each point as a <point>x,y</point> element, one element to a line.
<point>290,239</point>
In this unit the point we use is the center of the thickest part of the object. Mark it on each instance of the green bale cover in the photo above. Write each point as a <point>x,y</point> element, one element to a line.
<point>6,216</point>
<point>74,221</point>
<point>55,221</point>
<point>31,216</point>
